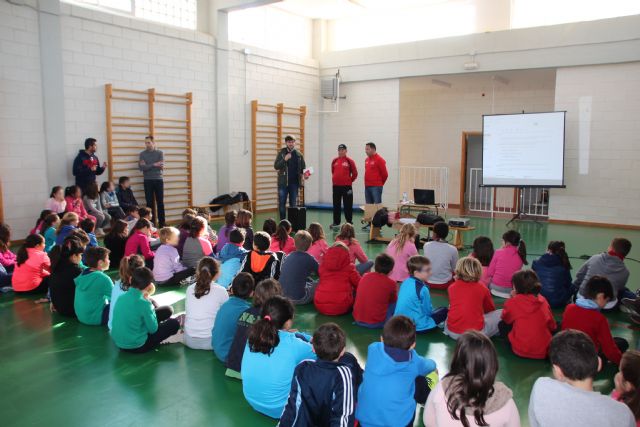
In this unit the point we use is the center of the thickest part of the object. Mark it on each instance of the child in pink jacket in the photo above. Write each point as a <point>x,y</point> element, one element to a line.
<point>401,248</point>
<point>32,266</point>
<point>73,197</point>
<point>348,237</point>
<point>506,261</point>
<point>7,258</point>
<point>319,247</point>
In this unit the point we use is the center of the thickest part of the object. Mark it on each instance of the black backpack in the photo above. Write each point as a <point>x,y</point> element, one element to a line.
<point>427,218</point>
<point>380,218</point>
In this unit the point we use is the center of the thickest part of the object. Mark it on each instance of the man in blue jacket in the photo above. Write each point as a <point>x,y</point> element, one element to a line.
<point>86,164</point>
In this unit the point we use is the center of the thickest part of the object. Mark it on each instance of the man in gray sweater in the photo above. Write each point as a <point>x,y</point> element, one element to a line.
<point>151,164</point>
<point>569,399</point>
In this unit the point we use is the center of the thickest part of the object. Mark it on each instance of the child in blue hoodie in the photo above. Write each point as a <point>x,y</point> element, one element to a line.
<point>414,299</point>
<point>231,257</point>
<point>554,271</point>
<point>395,377</point>
<point>68,223</point>
<point>89,227</point>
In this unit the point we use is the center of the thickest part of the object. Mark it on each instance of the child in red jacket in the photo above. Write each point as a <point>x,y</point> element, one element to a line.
<point>377,295</point>
<point>338,282</point>
<point>527,321</point>
<point>585,316</point>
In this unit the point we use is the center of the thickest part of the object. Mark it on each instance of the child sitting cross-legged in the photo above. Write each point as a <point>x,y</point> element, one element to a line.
<point>261,263</point>
<point>264,290</point>
<point>270,357</point>
<point>527,322</point>
<point>49,229</point>
<point>167,268</point>
<point>116,241</point>
<point>93,288</point>
<point>569,399</point>
<point>33,266</point>
<point>65,267</point>
<point>443,257</point>
<point>505,262</point>
<point>224,327</point>
<point>136,328</point>
<point>296,271</point>
<point>73,197</point>
<point>197,245</point>
<point>585,316</point>
<point>232,256</point>
<point>323,392</point>
<point>243,222</point>
<point>470,302</point>
<point>69,222</point>
<point>139,243</point>
<point>89,226</point>
<point>203,301</point>
<point>469,394</point>
<point>347,236</point>
<point>377,295</point>
<point>554,271</point>
<point>7,258</point>
<point>627,383</point>
<point>414,298</point>
<point>223,234</point>
<point>319,246</point>
<point>401,248</point>
<point>281,241</point>
<point>483,251</point>
<point>395,377</point>
<point>339,280</point>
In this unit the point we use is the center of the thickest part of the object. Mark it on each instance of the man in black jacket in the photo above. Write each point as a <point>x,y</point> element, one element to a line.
<point>86,164</point>
<point>290,166</point>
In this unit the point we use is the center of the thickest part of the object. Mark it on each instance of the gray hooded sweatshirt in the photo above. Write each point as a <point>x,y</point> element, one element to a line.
<point>603,264</point>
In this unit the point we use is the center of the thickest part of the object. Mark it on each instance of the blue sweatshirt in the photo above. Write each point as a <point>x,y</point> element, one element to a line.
<point>266,379</point>
<point>224,328</point>
<point>63,233</point>
<point>386,395</point>
<point>414,301</point>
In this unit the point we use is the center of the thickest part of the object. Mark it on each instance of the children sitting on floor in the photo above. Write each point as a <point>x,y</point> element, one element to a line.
<point>469,394</point>
<point>483,252</point>
<point>442,255</point>
<point>296,271</point>
<point>224,328</point>
<point>7,258</point>
<point>627,383</point>
<point>223,234</point>
<point>68,223</point>
<point>347,236</point>
<point>89,226</point>
<point>569,399</point>
<point>37,229</point>
<point>470,302</point>
<point>197,245</point>
<point>136,326</point>
<point>138,242</point>
<point>109,200</point>
<point>132,216</point>
<point>281,241</point>
<point>414,298</point>
<point>126,199</point>
<point>167,268</point>
<point>203,301</point>
<point>205,214</point>
<point>49,229</point>
<point>319,245</point>
<point>506,261</point>
<point>325,390</point>
<point>56,202</point>
<point>609,264</point>
<point>271,356</point>
<point>147,214</point>
<point>116,241</point>
<point>91,200</point>
<point>260,262</point>
<point>401,248</point>
<point>93,288</point>
<point>243,221</point>
<point>73,197</point>
<point>126,267</point>
<point>394,378</point>
<point>231,257</point>
<point>377,295</point>
<point>185,228</point>
<point>32,267</point>
<point>527,322</point>
<point>65,267</point>
<point>338,282</point>
<point>585,316</point>
<point>264,290</point>
<point>554,271</point>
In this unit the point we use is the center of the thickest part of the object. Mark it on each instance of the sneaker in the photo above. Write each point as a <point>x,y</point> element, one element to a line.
<point>334,226</point>
<point>632,305</point>
<point>366,227</point>
<point>174,339</point>
<point>188,281</point>
<point>432,379</point>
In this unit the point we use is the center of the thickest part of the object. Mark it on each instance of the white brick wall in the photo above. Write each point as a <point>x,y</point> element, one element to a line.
<point>369,113</point>
<point>22,170</point>
<point>606,188</point>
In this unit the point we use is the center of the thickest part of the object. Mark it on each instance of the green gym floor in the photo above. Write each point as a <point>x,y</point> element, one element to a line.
<point>57,372</point>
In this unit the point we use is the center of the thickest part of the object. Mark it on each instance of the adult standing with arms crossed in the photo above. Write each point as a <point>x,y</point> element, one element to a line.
<point>290,166</point>
<point>151,164</point>
<point>86,165</point>
<point>375,176</point>
<point>343,173</point>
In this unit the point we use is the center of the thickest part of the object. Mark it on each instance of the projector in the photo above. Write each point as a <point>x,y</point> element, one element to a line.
<point>459,222</point>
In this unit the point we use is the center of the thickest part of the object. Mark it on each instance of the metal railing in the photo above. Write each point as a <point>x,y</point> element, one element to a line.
<point>431,178</point>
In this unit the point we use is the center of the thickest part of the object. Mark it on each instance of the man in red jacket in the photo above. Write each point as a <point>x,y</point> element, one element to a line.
<point>375,174</point>
<point>343,173</point>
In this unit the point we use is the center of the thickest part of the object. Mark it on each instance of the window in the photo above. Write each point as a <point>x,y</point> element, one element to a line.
<point>535,13</point>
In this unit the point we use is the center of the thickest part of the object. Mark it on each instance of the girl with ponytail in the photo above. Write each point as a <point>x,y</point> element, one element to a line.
<point>125,271</point>
<point>506,261</point>
<point>32,266</point>
<point>401,248</point>
<point>627,383</point>
<point>203,301</point>
<point>281,241</point>
<point>65,267</point>
<point>273,351</point>
<point>554,271</point>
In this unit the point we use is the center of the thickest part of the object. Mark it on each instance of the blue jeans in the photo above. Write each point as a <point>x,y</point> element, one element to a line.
<point>290,190</point>
<point>373,195</point>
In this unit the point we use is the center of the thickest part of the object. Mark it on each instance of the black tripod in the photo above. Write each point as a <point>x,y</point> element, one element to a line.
<point>520,214</point>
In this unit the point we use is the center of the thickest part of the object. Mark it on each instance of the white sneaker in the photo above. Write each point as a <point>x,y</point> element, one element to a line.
<point>188,281</point>
<point>175,339</point>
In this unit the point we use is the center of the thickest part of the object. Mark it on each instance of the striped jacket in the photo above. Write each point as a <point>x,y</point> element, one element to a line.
<point>323,394</point>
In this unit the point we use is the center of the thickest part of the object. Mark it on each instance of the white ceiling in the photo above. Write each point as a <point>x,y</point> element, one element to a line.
<point>336,9</point>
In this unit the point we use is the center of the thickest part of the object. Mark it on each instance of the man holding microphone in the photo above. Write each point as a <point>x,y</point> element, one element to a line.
<point>290,166</point>
<point>343,173</point>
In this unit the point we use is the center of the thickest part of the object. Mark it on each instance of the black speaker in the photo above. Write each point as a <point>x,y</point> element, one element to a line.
<point>297,216</point>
